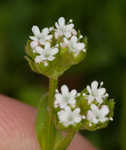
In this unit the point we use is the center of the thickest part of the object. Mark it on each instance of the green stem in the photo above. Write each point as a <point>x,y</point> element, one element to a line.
<point>66,141</point>
<point>52,89</point>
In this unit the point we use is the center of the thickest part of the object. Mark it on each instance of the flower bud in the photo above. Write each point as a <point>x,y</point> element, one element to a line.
<point>96,106</point>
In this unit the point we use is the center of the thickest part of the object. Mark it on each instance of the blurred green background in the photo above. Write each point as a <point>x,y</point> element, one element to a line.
<point>102,21</point>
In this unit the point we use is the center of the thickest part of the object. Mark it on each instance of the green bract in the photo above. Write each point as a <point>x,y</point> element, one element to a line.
<point>62,62</point>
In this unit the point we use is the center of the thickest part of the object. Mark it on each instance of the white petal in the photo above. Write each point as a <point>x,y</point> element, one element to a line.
<point>64,89</point>
<point>104,110</point>
<point>33,38</point>
<point>54,51</point>
<point>49,37</point>
<point>95,121</point>
<point>73,92</point>
<point>99,99</point>
<point>77,110</point>
<point>38,59</point>
<point>101,91</point>
<point>34,44</point>
<point>67,34</point>
<point>94,85</point>
<point>101,84</point>
<point>90,116</point>
<point>47,45</point>
<point>77,119</point>
<point>89,89</point>
<point>45,30</point>
<point>38,50</point>
<point>80,46</point>
<point>50,58</point>
<point>90,99</point>
<point>35,30</point>
<point>68,109</point>
<point>70,26</point>
<point>94,107</point>
<point>74,39</point>
<point>58,96</point>
<point>51,28</point>
<point>61,21</point>
<point>66,42</point>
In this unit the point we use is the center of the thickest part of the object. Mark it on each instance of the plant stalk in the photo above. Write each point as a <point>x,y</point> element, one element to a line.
<point>66,141</point>
<point>52,89</point>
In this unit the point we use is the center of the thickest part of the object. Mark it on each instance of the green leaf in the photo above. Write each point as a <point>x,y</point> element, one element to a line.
<point>46,141</point>
<point>58,139</point>
<point>41,126</point>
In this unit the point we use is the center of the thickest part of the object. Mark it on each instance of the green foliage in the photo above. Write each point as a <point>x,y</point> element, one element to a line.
<point>46,142</point>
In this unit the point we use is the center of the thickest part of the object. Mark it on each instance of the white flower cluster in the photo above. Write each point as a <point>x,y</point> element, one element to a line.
<point>41,45</point>
<point>41,41</point>
<point>69,35</point>
<point>69,113</point>
<point>97,113</point>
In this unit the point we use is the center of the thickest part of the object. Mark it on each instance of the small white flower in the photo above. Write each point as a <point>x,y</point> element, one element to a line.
<point>95,93</point>
<point>68,117</point>
<point>65,98</point>
<point>39,37</point>
<point>38,50</point>
<point>63,29</point>
<point>45,36</point>
<point>46,54</point>
<point>74,45</point>
<point>96,115</point>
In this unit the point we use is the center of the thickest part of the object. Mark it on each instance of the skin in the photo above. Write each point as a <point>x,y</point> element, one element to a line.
<point>17,128</point>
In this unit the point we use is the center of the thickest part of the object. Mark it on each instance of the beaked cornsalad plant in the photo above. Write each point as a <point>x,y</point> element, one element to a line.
<point>51,52</point>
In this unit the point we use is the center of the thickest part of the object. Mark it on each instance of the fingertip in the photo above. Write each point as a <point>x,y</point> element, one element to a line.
<point>17,125</point>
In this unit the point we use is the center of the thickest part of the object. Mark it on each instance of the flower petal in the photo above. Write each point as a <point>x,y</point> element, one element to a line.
<point>73,92</point>
<point>35,30</point>
<point>104,110</point>
<point>61,21</point>
<point>94,85</point>
<point>101,91</point>
<point>64,89</point>
<point>54,51</point>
